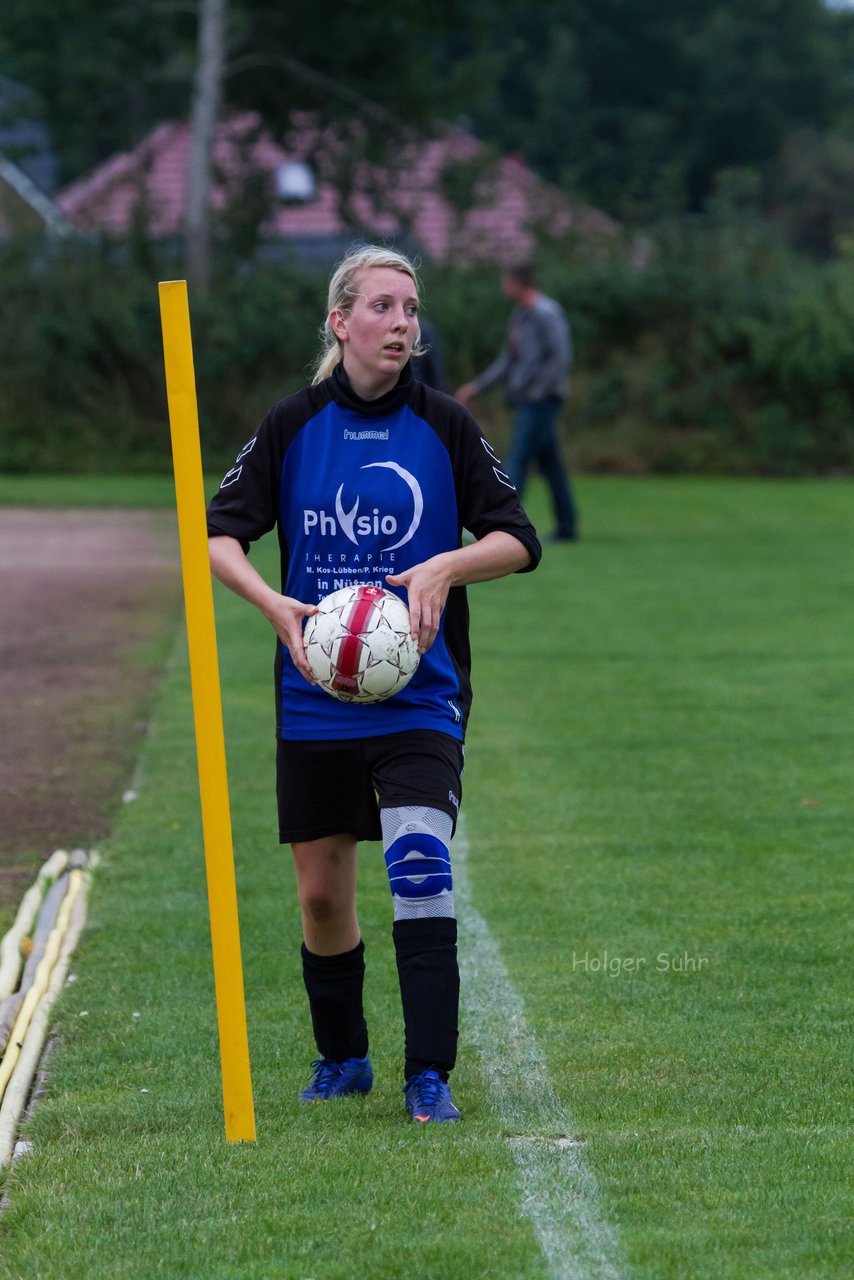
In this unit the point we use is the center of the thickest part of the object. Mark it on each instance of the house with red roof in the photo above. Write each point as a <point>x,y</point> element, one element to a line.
<point>317,189</point>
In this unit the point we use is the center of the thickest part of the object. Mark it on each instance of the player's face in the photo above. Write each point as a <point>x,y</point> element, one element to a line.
<point>379,331</point>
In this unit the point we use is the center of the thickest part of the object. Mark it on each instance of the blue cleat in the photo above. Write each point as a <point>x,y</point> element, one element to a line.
<point>429,1099</point>
<point>336,1079</point>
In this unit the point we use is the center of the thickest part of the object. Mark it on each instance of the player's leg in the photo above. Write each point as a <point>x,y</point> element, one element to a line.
<point>333,960</point>
<point>521,447</point>
<point>416,839</point>
<point>418,778</point>
<point>326,891</point>
<point>333,965</point>
<point>551,465</point>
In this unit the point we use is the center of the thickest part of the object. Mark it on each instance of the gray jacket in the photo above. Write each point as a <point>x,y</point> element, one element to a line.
<point>537,356</point>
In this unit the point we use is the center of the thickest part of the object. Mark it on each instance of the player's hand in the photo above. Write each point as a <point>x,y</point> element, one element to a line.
<point>427,586</point>
<point>287,616</point>
<point>465,393</point>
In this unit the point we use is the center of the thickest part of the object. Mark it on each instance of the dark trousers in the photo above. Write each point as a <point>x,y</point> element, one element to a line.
<point>534,440</point>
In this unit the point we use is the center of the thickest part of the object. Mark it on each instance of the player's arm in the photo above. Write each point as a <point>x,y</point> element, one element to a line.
<point>496,372</point>
<point>427,584</point>
<point>232,567</point>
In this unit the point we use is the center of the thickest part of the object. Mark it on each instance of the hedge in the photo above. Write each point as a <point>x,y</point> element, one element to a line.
<point>707,346</point>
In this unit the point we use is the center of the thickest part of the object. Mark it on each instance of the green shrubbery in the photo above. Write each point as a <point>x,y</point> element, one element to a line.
<point>709,346</point>
<point>84,389</point>
<point>726,352</point>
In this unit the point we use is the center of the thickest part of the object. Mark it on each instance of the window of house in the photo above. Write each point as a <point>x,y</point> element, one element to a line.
<point>295,182</point>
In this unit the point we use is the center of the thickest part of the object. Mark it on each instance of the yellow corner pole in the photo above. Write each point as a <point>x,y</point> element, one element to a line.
<point>207,712</point>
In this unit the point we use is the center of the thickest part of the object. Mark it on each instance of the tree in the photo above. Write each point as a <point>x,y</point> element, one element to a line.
<point>107,74</point>
<point>207,95</point>
<point>104,74</point>
<point>634,106</point>
<point>811,191</point>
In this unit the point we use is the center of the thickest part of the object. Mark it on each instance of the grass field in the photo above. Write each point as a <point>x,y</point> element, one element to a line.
<point>87,491</point>
<point>658,811</point>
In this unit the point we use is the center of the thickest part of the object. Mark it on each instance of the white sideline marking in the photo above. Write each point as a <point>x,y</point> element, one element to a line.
<point>559,1193</point>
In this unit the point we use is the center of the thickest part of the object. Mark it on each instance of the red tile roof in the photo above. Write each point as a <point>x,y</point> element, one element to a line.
<point>510,204</point>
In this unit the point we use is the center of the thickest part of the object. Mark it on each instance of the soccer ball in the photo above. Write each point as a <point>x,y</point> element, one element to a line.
<point>359,645</point>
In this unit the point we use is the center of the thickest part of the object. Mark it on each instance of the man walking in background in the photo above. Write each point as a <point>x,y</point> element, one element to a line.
<point>534,367</point>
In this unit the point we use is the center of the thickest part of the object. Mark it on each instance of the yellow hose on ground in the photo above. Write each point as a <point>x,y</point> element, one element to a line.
<point>9,1010</point>
<point>10,947</point>
<point>40,981</point>
<point>18,1090</point>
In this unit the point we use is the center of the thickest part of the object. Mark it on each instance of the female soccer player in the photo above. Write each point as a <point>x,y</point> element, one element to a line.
<point>371,477</point>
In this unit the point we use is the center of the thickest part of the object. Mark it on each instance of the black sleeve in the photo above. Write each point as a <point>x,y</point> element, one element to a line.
<point>246,505</point>
<point>488,498</point>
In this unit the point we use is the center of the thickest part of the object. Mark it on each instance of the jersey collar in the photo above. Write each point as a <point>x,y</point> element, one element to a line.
<point>343,393</point>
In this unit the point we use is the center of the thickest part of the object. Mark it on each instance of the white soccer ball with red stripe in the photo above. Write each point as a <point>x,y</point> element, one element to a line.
<point>359,645</point>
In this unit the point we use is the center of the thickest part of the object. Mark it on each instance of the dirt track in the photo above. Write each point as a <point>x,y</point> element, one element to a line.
<point>89,601</point>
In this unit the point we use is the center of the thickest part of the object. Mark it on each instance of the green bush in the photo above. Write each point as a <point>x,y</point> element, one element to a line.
<point>706,346</point>
<point>724,351</point>
<point>85,391</point>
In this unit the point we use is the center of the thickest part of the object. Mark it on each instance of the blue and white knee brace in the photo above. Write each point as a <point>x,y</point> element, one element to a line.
<point>418,858</point>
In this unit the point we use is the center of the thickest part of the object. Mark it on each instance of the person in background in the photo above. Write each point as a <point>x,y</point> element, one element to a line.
<point>429,367</point>
<point>534,367</point>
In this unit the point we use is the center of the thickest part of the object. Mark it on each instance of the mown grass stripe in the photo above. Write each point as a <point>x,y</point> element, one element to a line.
<point>559,1193</point>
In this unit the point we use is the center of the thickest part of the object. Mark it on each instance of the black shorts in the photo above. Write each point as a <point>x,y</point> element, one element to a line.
<point>331,788</point>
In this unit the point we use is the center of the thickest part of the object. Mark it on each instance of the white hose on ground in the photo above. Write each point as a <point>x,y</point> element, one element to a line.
<point>10,947</point>
<point>8,1013</point>
<point>37,937</point>
<point>42,929</point>
<point>40,981</point>
<point>20,1083</point>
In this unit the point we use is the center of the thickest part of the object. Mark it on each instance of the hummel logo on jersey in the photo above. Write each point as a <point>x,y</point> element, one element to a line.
<point>500,475</point>
<point>236,471</point>
<point>367,524</point>
<point>365,435</point>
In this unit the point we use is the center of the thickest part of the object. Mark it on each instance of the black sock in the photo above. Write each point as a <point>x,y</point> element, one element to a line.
<point>430,991</point>
<point>334,986</point>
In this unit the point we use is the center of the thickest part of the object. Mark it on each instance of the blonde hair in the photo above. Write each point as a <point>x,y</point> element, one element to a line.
<point>344,288</point>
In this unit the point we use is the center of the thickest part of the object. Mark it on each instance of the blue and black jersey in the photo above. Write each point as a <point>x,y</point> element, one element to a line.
<point>360,489</point>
